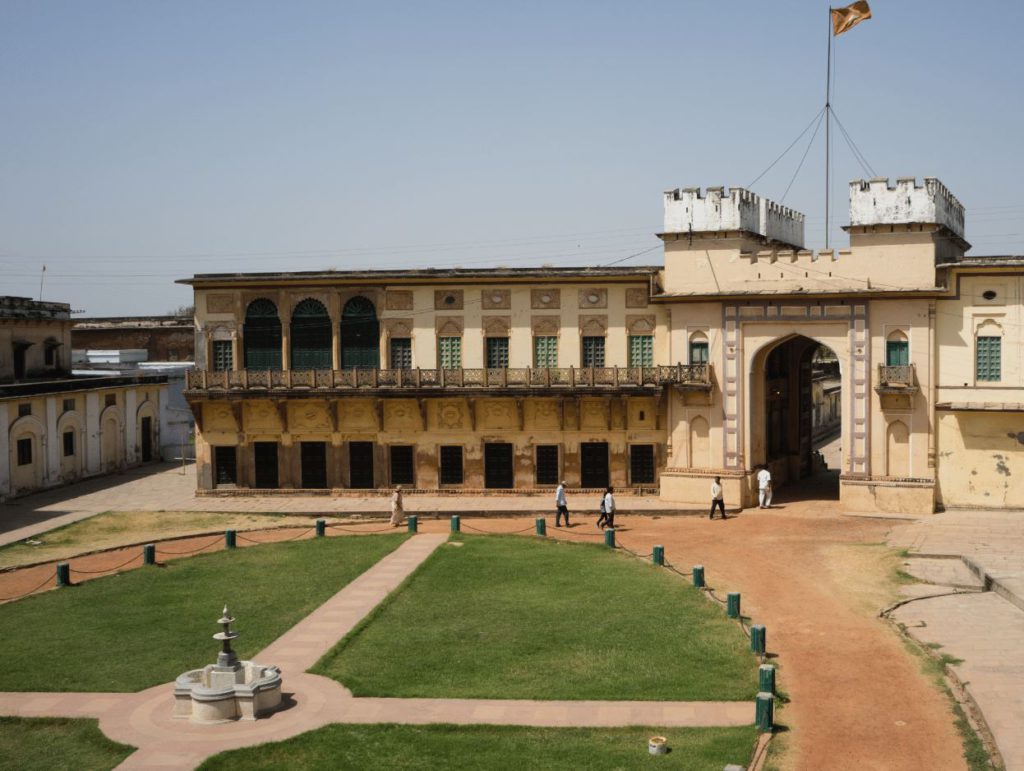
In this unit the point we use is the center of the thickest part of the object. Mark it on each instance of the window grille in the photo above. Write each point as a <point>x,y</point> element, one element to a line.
<point>401,353</point>
<point>451,352</point>
<point>545,351</point>
<point>641,464</point>
<point>547,464</point>
<point>402,464</point>
<point>451,465</point>
<point>989,358</point>
<point>222,356</point>
<point>593,352</point>
<point>497,352</point>
<point>641,351</point>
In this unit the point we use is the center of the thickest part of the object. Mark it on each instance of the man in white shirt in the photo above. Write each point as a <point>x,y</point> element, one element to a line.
<point>717,498</point>
<point>609,510</point>
<point>562,507</point>
<point>764,488</point>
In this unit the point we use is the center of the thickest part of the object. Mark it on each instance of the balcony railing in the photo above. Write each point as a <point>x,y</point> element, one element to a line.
<point>899,378</point>
<point>694,376</point>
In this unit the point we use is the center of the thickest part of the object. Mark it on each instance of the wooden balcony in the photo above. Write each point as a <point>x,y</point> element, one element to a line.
<point>900,379</point>
<point>420,382</point>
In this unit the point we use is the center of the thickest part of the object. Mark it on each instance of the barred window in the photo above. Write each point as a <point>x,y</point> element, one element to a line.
<point>641,464</point>
<point>547,464</point>
<point>451,465</point>
<point>401,353</point>
<point>545,351</point>
<point>641,350</point>
<point>497,352</point>
<point>988,364</point>
<point>451,352</point>
<point>593,352</point>
<point>222,356</point>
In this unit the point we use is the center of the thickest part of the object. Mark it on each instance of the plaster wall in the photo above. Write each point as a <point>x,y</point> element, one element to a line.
<point>981,459</point>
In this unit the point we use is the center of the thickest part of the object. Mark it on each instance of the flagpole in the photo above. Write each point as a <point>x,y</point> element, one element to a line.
<point>828,110</point>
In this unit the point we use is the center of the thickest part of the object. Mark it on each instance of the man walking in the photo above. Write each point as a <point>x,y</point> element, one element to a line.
<point>717,498</point>
<point>561,507</point>
<point>607,510</point>
<point>397,511</point>
<point>764,488</point>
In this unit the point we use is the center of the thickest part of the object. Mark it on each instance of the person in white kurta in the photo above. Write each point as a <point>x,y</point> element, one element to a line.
<point>396,507</point>
<point>764,488</point>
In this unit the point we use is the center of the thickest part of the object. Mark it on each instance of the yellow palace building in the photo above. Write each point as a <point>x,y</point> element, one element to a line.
<point>654,378</point>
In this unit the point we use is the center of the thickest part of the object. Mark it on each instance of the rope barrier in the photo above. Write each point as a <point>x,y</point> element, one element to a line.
<point>195,551</point>
<point>573,532</point>
<point>497,532</point>
<point>31,591</point>
<point>345,529</point>
<point>241,537</point>
<point>107,570</point>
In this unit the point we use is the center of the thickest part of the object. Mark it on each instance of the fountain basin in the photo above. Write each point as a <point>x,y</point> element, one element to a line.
<point>217,694</point>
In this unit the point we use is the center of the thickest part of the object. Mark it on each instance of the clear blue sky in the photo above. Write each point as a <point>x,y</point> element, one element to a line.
<point>144,141</point>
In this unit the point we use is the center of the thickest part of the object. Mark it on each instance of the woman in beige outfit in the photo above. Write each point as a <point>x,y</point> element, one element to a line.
<point>396,507</point>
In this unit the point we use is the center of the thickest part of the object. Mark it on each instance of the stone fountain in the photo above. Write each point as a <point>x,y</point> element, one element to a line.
<point>228,690</point>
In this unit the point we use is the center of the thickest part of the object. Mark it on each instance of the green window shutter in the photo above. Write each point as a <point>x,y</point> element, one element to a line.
<point>698,353</point>
<point>988,361</point>
<point>641,351</point>
<point>545,351</point>
<point>451,352</point>
<point>497,352</point>
<point>897,353</point>
<point>401,353</point>
<point>593,352</point>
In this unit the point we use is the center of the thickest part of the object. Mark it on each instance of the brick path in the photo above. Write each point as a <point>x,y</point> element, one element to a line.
<point>143,719</point>
<point>984,630</point>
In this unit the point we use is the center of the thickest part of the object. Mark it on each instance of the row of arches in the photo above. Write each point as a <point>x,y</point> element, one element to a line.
<point>311,335</point>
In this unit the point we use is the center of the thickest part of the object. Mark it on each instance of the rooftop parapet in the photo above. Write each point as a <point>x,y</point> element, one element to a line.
<point>26,308</point>
<point>875,202</point>
<point>687,210</point>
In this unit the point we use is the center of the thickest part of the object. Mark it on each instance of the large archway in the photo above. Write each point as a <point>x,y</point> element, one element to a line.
<point>261,335</point>
<point>801,418</point>
<point>360,335</point>
<point>311,336</point>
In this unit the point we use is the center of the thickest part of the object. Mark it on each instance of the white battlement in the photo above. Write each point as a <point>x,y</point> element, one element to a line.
<point>719,209</point>
<point>875,202</point>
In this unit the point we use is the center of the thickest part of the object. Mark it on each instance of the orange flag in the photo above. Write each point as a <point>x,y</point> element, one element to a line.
<point>847,18</point>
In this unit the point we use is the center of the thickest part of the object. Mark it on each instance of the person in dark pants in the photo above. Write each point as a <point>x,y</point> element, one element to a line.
<point>717,498</point>
<point>561,505</point>
<point>607,517</point>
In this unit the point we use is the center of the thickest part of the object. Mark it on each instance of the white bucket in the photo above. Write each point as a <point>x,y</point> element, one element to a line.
<point>657,745</point>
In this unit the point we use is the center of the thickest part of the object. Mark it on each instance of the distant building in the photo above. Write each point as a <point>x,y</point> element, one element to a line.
<point>56,428</point>
<point>663,376</point>
<point>164,338</point>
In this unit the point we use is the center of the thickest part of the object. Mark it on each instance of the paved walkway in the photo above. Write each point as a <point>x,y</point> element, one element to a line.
<point>143,719</point>
<point>163,487</point>
<point>984,631</point>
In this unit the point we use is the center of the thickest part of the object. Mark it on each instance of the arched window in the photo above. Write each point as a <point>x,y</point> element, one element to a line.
<point>311,336</point>
<point>699,348</point>
<point>360,335</point>
<point>262,335</point>
<point>897,349</point>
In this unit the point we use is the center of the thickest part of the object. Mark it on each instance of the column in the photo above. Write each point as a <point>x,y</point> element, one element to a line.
<point>131,408</point>
<point>91,448</point>
<point>52,445</point>
<point>5,452</point>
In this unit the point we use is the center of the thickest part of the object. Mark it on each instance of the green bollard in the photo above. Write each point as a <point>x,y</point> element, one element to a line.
<point>609,538</point>
<point>230,541</point>
<point>758,639</point>
<point>321,528</point>
<point>766,679</point>
<point>542,526</point>
<point>149,554</point>
<point>456,523</point>
<point>698,576</point>
<point>413,522</point>
<point>764,715</point>
<point>63,574</point>
<point>658,555</point>
<point>732,607</point>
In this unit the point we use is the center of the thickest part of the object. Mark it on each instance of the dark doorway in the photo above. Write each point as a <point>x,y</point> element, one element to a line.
<point>225,466</point>
<point>360,335</point>
<point>360,465</point>
<point>803,418</point>
<point>261,335</point>
<point>641,464</point>
<point>311,336</point>
<point>314,465</point>
<point>498,473</point>
<point>19,360</point>
<point>594,464</point>
<point>265,465</point>
<point>402,469</point>
<point>147,439</point>
<point>451,465</point>
<point>547,464</point>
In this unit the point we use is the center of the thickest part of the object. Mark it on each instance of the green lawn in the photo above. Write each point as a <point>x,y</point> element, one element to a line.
<point>493,747</point>
<point>144,627</point>
<point>28,744</point>
<point>512,617</point>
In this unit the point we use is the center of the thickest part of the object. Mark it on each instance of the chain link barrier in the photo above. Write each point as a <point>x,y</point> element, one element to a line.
<point>349,530</point>
<point>107,570</point>
<point>31,591</point>
<point>296,537</point>
<point>215,541</point>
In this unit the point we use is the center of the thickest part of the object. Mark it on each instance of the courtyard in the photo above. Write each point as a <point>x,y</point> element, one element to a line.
<point>852,695</point>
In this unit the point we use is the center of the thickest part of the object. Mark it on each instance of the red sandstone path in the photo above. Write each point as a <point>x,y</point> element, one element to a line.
<point>858,699</point>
